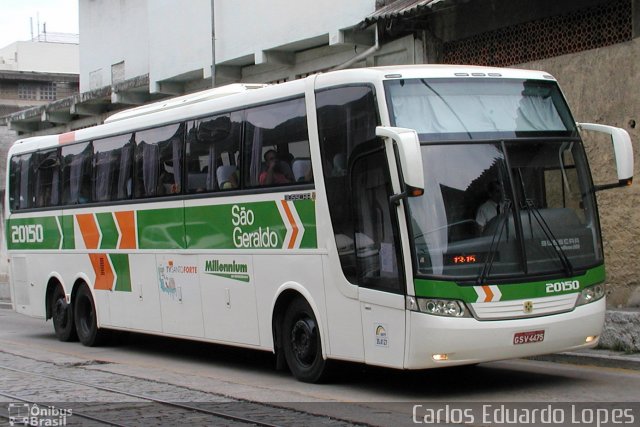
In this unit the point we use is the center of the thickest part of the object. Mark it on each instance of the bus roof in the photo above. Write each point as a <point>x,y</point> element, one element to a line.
<point>227,98</point>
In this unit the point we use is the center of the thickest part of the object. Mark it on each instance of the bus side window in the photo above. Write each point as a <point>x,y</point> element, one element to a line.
<point>77,173</point>
<point>347,118</point>
<point>113,168</point>
<point>211,146</point>
<point>47,179</point>
<point>158,163</point>
<point>275,135</point>
<point>20,182</point>
<point>376,244</point>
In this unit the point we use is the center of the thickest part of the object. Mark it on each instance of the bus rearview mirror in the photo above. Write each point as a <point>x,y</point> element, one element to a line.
<point>409,155</point>
<point>622,149</point>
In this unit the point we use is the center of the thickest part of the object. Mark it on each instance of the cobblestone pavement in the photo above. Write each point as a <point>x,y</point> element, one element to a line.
<point>79,394</point>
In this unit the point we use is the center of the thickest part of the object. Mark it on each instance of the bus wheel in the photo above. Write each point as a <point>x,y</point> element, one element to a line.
<point>84,311</point>
<point>62,315</point>
<point>301,342</point>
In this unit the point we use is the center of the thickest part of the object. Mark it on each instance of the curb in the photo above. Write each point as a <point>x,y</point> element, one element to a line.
<point>598,358</point>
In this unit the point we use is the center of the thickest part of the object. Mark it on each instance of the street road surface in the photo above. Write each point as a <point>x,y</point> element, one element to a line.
<point>33,362</point>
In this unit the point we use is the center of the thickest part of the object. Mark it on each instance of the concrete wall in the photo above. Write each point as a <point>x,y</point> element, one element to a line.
<point>179,39</point>
<point>243,32</point>
<point>601,86</point>
<point>112,32</point>
<point>7,138</point>
<point>164,38</point>
<point>41,57</point>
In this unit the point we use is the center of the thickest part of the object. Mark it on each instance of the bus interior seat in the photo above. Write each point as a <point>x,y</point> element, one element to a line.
<point>300,169</point>
<point>223,175</point>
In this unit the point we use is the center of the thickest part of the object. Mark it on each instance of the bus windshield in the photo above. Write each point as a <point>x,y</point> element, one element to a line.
<point>461,109</point>
<point>507,187</point>
<point>505,209</point>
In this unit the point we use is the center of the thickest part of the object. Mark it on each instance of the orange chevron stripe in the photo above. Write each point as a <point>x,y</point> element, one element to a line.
<point>292,222</point>
<point>488,292</point>
<point>127,224</point>
<point>104,274</point>
<point>66,138</point>
<point>89,230</point>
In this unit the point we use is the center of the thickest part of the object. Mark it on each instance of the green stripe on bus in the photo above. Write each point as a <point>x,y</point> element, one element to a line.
<point>451,290</point>
<point>161,229</point>
<point>257,225</point>
<point>108,229</point>
<point>33,233</point>
<point>68,232</point>
<point>307,212</point>
<point>123,272</point>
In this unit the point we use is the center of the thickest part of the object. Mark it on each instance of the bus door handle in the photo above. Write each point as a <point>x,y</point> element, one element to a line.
<point>367,307</point>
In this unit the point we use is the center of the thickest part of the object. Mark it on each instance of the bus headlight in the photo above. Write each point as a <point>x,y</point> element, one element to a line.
<point>591,294</point>
<point>437,307</point>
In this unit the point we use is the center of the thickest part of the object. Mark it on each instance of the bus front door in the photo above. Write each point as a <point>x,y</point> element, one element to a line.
<point>380,274</point>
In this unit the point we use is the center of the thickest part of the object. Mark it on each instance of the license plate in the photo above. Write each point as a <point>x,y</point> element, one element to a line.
<point>528,337</point>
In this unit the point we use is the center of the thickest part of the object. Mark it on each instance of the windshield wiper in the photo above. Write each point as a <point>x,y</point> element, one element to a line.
<point>495,241</point>
<point>564,259</point>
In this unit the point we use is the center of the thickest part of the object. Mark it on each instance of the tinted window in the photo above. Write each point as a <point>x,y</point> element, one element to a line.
<point>213,151</point>
<point>375,241</point>
<point>46,178</point>
<point>159,161</point>
<point>77,173</point>
<point>346,118</point>
<point>276,138</point>
<point>20,192</point>
<point>113,165</point>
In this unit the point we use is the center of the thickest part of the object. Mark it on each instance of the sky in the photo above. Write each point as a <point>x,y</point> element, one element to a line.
<point>61,16</point>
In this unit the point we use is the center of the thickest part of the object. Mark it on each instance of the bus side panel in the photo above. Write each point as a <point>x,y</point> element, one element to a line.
<point>343,313</point>
<point>19,280</point>
<point>180,298</point>
<point>280,272</point>
<point>138,306</point>
<point>228,293</point>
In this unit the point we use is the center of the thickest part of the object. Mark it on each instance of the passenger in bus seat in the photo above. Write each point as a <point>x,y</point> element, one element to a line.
<point>275,172</point>
<point>167,180</point>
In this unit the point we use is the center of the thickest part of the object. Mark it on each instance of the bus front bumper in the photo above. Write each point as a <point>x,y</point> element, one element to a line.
<point>440,341</point>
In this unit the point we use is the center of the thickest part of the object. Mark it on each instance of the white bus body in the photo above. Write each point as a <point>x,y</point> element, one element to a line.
<point>356,241</point>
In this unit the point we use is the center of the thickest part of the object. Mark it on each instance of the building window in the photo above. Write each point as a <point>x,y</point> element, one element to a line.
<point>117,73</point>
<point>27,91</point>
<point>48,92</point>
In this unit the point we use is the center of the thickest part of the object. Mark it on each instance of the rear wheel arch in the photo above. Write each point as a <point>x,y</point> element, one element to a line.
<point>60,310</point>
<point>52,284</point>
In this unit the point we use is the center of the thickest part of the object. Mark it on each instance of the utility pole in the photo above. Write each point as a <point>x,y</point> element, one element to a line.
<point>213,43</point>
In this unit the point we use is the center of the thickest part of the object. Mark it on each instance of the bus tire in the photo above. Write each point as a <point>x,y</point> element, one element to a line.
<point>86,320</point>
<point>301,342</point>
<point>62,316</point>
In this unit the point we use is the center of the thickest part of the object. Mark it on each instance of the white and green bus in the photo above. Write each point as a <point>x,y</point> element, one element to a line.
<point>342,216</point>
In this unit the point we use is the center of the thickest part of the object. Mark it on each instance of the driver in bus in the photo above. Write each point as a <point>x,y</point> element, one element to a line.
<point>491,207</point>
